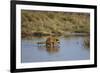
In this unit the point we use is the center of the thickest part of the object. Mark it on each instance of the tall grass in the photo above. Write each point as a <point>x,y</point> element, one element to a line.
<point>54,22</point>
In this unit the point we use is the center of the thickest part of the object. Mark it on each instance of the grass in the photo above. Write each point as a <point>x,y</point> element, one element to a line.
<point>58,23</point>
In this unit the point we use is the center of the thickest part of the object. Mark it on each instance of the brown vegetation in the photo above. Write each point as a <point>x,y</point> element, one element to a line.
<point>46,23</point>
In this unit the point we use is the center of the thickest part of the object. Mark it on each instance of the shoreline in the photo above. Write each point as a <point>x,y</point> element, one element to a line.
<point>31,35</point>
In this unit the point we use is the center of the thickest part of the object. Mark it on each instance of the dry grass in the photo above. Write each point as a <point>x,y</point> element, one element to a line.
<point>54,22</point>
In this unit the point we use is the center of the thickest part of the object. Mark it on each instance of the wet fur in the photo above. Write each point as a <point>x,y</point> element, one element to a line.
<point>50,42</point>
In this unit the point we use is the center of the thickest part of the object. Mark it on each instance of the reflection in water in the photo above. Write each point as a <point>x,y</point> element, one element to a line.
<point>50,49</point>
<point>52,44</point>
<point>70,48</point>
<point>87,42</point>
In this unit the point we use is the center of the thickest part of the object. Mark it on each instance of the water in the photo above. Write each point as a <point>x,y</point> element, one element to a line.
<point>70,48</point>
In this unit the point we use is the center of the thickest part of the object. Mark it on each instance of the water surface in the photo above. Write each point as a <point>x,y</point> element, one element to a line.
<point>70,48</point>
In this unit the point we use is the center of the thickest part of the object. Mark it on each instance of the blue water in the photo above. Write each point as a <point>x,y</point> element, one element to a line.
<point>70,48</point>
